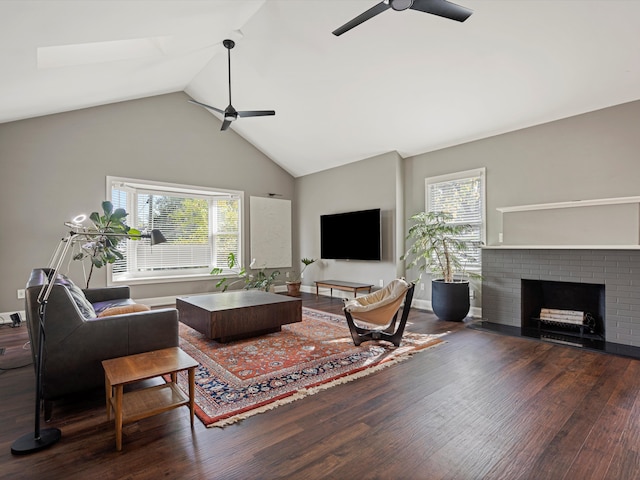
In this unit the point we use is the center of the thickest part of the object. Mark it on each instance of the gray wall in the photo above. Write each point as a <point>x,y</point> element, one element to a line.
<point>372,183</point>
<point>54,167</point>
<point>589,156</point>
<point>584,225</point>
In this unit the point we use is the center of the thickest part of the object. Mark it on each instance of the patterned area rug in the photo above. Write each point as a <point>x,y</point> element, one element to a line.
<point>242,378</point>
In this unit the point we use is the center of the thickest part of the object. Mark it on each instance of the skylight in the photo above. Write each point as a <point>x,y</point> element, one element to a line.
<point>101,52</point>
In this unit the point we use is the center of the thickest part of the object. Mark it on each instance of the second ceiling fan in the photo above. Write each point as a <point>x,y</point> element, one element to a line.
<point>441,8</point>
<point>230,113</point>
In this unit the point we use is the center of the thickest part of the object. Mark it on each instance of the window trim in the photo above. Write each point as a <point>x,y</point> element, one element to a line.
<point>465,174</point>
<point>167,187</point>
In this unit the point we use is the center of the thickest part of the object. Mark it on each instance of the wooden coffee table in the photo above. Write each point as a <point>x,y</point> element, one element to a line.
<point>135,405</point>
<point>228,316</point>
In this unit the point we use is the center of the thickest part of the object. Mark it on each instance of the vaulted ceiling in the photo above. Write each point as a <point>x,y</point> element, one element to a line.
<point>405,81</point>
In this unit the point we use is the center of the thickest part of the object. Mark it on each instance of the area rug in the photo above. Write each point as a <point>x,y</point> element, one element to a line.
<point>242,378</point>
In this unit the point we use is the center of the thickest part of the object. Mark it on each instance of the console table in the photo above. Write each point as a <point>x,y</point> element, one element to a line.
<point>340,285</point>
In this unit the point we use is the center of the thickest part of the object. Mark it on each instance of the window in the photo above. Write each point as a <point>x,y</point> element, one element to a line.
<point>462,195</point>
<point>201,225</point>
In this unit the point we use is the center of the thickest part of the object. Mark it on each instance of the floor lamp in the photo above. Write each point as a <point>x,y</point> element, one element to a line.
<point>43,438</point>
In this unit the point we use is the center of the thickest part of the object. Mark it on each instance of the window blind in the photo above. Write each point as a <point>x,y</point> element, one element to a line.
<point>201,230</point>
<point>462,195</point>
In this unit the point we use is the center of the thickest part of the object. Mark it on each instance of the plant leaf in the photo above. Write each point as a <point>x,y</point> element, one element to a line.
<point>134,234</point>
<point>97,261</point>
<point>107,207</point>
<point>118,215</point>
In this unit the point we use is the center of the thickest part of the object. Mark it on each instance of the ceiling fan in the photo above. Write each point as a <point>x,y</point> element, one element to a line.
<point>230,113</point>
<point>441,8</point>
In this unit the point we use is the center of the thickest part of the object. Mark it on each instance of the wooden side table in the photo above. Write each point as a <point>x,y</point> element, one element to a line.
<point>132,406</point>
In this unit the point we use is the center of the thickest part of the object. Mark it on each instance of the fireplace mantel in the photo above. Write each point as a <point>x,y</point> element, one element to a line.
<point>570,204</point>
<point>600,223</point>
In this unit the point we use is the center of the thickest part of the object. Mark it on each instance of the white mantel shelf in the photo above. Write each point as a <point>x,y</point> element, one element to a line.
<point>571,204</point>
<point>561,247</point>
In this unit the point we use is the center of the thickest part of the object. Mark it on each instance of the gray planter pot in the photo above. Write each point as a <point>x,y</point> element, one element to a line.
<point>450,301</point>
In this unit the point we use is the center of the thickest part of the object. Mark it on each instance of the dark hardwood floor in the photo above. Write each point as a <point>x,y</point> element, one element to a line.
<point>481,406</point>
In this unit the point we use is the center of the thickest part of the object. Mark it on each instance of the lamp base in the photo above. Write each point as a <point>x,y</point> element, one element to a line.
<point>30,444</point>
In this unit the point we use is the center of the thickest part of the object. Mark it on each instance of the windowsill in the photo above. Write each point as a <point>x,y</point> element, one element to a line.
<point>164,279</point>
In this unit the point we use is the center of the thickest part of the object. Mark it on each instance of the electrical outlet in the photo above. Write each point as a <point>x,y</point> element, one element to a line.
<point>21,293</point>
<point>500,237</point>
<point>472,294</point>
<point>381,282</point>
<point>288,274</point>
<point>421,286</point>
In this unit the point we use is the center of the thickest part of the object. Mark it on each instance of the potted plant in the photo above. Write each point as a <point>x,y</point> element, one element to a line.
<point>103,249</point>
<point>293,287</point>
<point>261,280</point>
<point>439,248</point>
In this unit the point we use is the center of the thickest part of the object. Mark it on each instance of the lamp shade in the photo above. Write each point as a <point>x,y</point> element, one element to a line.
<point>156,237</point>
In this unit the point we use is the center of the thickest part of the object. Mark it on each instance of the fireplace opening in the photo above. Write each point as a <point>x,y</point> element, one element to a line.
<point>563,311</point>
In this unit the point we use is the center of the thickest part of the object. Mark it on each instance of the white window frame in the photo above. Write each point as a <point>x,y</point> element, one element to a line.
<point>479,173</point>
<point>157,187</point>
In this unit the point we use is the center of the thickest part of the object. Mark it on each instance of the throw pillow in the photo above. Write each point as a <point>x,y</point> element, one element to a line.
<point>77,294</point>
<point>133,308</point>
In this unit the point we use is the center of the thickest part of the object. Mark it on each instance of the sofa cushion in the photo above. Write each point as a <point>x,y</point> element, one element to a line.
<point>77,294</point>
<point>132,308</point>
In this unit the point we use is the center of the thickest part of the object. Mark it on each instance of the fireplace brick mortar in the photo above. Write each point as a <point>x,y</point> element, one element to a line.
<point>619,270</point>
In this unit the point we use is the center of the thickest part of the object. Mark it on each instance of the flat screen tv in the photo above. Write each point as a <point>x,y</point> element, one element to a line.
<point>351,235</point>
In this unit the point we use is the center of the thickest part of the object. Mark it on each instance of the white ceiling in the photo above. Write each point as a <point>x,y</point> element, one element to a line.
<point>403,81</point>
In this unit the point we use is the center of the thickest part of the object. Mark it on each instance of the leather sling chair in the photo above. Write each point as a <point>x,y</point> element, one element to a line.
<point>373,316</point>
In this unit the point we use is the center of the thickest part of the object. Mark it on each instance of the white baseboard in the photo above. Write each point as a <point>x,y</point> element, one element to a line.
<point>171,300</point>
<point>5,317</point>
<point>159,301</point>
<point>475,312</point>
<point>325,292</point>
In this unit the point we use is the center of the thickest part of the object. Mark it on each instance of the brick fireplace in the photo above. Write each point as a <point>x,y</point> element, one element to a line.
<point>611,280</point>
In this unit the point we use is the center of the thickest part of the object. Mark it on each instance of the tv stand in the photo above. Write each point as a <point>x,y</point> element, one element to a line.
<point>340,285</point>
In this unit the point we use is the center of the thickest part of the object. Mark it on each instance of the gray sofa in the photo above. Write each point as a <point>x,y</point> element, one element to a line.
<point>77,340</point>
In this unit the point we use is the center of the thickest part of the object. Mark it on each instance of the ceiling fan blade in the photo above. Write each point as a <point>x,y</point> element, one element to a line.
<point>225,125</point>
<point>207,106</point>
<point>256,113</point>
<point>442,8</point>
<point>363,17</point>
